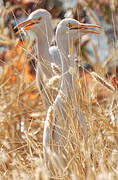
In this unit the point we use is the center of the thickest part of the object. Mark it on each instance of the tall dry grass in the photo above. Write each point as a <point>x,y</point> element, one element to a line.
<point>22,117</point>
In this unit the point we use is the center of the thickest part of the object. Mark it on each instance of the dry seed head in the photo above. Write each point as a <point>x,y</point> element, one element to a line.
<point>6,144</point>
<point>53,82</point>
<point>72,71</point>
<point>36,114</point>
<point>103,82</point>
<point>3,157</point>
<point>55,69</point>
<point>49,117</point>
<point>55,89</point>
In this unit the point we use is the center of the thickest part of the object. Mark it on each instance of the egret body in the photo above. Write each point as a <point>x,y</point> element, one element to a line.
<point>68,30</point>
<point>39,22</point>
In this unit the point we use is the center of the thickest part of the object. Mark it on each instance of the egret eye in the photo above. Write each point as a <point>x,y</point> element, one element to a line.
<point>39,18</point>
<point>72,26</point>
<point>69,25</point>
<point>36,20</point>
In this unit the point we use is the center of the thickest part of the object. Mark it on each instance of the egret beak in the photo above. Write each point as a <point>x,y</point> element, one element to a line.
<point>25,25</point>
<point>84,27</point>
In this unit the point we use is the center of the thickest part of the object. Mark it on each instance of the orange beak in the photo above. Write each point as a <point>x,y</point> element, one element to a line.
<point>25,25</point>
<point>84,27</point>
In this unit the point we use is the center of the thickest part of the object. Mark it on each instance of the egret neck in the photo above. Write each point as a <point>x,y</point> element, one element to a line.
<point>43,53</point>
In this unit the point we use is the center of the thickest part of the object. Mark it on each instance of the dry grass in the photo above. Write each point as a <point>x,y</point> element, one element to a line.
<point>22,117</point>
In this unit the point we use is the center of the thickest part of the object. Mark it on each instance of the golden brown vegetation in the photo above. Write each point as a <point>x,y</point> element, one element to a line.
<point>22,116</point>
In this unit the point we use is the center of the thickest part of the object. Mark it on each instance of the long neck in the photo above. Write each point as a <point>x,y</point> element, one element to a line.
<point>43,54</point>
<point>66,82</point>
<point>67,89</point>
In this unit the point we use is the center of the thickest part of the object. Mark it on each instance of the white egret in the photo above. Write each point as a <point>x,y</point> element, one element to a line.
<point>39,22</point>
<point>67,31</point>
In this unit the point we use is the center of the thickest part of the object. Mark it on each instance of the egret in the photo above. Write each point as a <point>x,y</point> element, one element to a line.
<point>68,30</point>
<point>39,22</point>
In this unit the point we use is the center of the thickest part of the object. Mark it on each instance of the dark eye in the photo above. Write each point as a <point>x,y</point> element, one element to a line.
<point>39,18</point>
<point>69,25</point>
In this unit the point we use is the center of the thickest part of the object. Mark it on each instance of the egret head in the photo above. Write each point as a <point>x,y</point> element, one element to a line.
<point>39,22</point>
<point>73,29</point>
